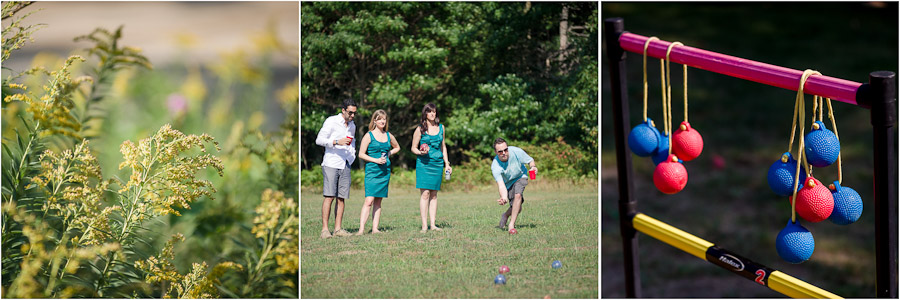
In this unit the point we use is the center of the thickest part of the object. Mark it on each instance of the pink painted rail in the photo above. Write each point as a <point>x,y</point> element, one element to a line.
<point>825,86</point>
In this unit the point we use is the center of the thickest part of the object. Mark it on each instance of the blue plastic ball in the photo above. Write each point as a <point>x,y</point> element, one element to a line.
<point>500,279</point>
<point>822,146</point>
<point>794,243</point>
<point>556,264</point>
<point>781,176</point>
<point>662,152</point>
<point>847,205</point>
<point>643,139</point>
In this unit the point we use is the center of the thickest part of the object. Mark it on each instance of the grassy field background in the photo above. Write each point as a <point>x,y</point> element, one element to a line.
<point>558,221</point>
<point>747,125</point>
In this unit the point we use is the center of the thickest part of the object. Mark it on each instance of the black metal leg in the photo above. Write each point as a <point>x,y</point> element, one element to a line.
<point>883,93</point>
<point>627,204</point>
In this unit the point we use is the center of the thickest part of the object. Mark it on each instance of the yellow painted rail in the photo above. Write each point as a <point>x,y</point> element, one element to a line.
<point>691,244</point>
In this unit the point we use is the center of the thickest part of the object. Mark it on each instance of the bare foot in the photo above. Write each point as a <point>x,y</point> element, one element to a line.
<point>435,228</point>
<point>424,229</point>
<point>360,232</point>
<point>376,231</point>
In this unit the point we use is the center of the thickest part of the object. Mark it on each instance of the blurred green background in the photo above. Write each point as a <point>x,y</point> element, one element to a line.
<point>746,125</point>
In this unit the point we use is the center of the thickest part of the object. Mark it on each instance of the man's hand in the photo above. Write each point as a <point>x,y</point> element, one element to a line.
<point>344,141</point>
<point>502,201</point>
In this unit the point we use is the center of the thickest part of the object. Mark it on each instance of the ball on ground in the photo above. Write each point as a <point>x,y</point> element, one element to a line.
<point>504,269</point>
<point>556,264</point>
<point>500,279</point>
<point>513,231</point>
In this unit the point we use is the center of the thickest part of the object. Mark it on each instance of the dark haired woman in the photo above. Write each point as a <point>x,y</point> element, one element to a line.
<point>429,147</point>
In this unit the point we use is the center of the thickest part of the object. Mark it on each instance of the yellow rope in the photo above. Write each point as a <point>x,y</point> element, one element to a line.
<point>793,125</point>
<point>646,44</point>
<point>815,107</point>
<point>669,94</point>
<point>800,103</point>
<point>834,127</point>
<point>685,94</point>
<point>665,103</point>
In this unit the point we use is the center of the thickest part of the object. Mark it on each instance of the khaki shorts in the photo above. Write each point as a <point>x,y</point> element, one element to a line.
<point>336,182</point>
<point>517,188</point>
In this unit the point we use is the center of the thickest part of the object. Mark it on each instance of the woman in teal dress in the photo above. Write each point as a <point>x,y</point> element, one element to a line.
<point>375,149</point>
<point>429,147</point>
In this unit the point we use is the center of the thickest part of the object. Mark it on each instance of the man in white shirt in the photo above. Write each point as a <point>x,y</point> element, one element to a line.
<point>508,169</point>
<point>336,136</point>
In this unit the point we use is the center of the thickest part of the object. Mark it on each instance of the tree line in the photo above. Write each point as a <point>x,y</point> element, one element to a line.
<point>527,72</point>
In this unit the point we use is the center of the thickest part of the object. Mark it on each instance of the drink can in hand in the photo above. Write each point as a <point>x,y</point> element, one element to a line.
<point>447,174</point>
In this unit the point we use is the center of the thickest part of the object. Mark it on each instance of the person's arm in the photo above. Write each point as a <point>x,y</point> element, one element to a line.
<point>533,167</point>
<point>495,171</point>
<point>363,146</point>
<point>395,146</point>
<point>417,136</point>
<point>322,139</point>
<point>446,157</point>
<point>504,194</point>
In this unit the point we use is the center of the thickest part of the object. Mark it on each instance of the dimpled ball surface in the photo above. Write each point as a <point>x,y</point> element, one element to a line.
<point>815,203</point>
<point>781,176</point>
<point>847,205</point>
<point>822,146</point>
<point>662,152</point>
<point>794,243</point>
<point>556,264</point>
<point>500,279</point>
<point>643,139</point>
<point>670,177</point>
<point>687,144</point>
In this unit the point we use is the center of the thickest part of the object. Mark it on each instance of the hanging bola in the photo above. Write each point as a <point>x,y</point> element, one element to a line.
<point>794,243</point>
<point>670,176</point>
<point>644,139</point>
<point>815,203</point>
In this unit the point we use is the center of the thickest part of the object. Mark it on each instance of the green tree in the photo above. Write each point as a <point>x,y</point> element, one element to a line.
<point>524,71</point>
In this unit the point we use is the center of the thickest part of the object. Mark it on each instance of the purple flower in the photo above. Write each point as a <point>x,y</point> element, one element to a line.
<point>177,104</point>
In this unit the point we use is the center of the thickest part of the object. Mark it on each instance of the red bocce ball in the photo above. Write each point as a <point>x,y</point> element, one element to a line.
<point>670,176</point>
<point>815,201</point>
<point>687,142</point>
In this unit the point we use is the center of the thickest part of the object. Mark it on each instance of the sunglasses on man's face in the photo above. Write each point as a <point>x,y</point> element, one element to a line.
<point>503,151</point>
<point>351,112</point>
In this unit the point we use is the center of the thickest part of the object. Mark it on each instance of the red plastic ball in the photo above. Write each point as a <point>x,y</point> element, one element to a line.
<point>815,201</point>
<point>670,176</point>
<point>687,142</point>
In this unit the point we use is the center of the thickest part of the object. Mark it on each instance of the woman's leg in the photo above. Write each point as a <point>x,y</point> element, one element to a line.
<point>423,208</point>
<point>376,214</point>
<point>432,209</point>
<point>364,215</point>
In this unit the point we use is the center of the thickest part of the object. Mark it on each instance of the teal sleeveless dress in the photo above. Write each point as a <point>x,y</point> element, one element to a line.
<point>378,176</point>
<point>430,167</point>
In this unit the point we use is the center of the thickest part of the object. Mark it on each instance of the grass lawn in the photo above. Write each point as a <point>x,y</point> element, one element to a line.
<point>462,260</point>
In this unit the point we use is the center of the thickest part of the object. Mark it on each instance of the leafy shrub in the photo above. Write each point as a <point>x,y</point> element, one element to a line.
<point>69,230</point>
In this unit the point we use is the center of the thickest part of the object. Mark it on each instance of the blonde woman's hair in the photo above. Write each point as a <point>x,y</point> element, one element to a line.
<point>375,115</point>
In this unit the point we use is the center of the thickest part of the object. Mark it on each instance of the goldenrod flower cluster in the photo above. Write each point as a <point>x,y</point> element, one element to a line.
<point>35,280</point>
<point>163,180</point>
<point>74,187</point>
<point>198,284</point>
<point>53,110</point>
<point>276,223</point>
